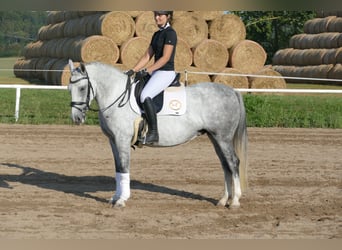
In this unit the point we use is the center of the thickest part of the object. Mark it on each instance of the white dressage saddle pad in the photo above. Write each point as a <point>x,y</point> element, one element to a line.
<point>174,101</point>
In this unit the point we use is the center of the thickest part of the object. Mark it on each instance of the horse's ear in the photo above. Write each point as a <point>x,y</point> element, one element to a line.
<point>83,69</point>
<point>71,66</point>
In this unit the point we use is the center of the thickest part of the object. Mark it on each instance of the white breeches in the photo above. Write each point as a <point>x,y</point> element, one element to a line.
<point>159,81</point>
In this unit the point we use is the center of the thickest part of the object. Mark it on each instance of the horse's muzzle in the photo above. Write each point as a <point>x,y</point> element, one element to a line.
<point>78,115</point>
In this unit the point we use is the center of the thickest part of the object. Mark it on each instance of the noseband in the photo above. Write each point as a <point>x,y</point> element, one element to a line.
<point>87,102</point>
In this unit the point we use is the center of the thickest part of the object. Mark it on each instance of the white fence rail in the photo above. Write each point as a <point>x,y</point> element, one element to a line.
<point>42,87</point>
<point>18,93</point>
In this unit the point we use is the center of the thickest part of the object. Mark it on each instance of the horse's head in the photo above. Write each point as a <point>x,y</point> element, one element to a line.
<point>81,92</point>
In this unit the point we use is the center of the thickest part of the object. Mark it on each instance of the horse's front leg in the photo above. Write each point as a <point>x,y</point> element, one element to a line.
<point>121,155</point>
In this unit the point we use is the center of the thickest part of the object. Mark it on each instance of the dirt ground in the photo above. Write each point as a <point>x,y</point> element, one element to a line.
<point>55,182</point>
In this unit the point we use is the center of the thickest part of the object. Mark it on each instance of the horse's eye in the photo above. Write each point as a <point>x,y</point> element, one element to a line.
<point>82,89</point>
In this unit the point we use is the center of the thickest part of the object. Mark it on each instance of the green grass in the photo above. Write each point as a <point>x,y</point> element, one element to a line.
<point>39,107</point>
<point>294,111</point>
<point>52,107</point>
<point>6,72</point>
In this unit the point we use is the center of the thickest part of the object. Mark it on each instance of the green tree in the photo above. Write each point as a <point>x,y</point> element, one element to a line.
<point>17,28</point>
<point>273,29</point>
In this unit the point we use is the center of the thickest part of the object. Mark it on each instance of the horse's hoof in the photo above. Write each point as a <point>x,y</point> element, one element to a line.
<point>120,203</point>
<point>234,205</point>
<point>222,203</point>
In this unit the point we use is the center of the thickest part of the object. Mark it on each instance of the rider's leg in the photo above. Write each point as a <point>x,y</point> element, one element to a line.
<point>159,81</point>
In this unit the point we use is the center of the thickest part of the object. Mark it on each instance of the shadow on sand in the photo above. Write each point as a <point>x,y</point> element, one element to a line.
<point>82,186</point>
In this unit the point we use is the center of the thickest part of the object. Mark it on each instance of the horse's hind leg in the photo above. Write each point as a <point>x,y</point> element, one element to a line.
<point>230,165</point>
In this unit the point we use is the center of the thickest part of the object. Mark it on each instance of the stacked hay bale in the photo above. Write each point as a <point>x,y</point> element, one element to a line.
<point>208,41</point>
<point>317,53</point>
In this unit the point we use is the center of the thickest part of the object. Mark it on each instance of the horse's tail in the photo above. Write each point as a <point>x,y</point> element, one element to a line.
<point>240,144</point>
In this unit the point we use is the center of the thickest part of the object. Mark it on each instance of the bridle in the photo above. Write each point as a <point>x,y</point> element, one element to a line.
<point>124,95</point>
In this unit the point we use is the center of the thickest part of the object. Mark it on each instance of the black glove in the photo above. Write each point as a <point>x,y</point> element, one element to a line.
<point>142,73</point>
<point>129,72</point>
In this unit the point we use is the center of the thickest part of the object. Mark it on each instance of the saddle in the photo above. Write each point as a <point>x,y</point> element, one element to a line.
<point>159,99</point>
<point>171,101</point>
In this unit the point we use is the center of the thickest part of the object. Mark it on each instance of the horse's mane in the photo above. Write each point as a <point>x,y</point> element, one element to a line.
<point>105,66</point>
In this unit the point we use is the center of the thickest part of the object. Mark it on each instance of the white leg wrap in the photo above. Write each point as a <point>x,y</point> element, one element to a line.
<point>122,186</point>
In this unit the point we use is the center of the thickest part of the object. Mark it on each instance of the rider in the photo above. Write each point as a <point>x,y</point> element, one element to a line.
<point>162,71</point>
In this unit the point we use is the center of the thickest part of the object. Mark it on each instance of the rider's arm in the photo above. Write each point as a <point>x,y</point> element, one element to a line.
<point>167,52</point>
<point>144,59</point>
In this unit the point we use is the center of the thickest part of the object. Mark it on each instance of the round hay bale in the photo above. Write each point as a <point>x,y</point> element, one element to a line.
<point>281,57</point>
<point>335,24</point>
<point>210,55</point>
<point>228,29</point>
<point>336,73</point>
<point>328,40</point>
<point>75,27</point>
<point>313,56</point>
<point>121,66</point>
<point>61,74</point>
<point>61,43</point>
<point>235,80</point>
<point>145,25</point>
<point>338,55</point>
<point>183,56</point>
<point>209,15</point>
<point>194,78</point>
<point>68,48</point>
<point>32,49</point>
<point>316,71</point>
<point>42,32</point>
<point>96,48</point>
<point>304,57</point>
<point>55,31</point>
<point>317,25</point>
<point>329,56</point>
<point>191,27</point>
<point>118,26</point>
<point>25,68</point>
<point>247,56</point>
<point>55,17</point>
<point>48,74</point>
<point>272,80</point>
<point>132,50</point>
<point>179,13</point>
<point>42,61</point>
<point>17,67</point>
<point>133,13</point>
<point>304,41</point>
<point>48,48</point>
<point>285,71</point>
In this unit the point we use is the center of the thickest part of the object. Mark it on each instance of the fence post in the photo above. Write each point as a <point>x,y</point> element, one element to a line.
<point>17,103</point>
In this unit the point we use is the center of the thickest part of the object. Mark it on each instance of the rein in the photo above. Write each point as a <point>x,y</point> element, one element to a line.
<point>124,95</point>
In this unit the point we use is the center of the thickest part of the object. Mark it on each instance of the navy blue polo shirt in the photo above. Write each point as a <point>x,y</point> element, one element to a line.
<point>159,39</point>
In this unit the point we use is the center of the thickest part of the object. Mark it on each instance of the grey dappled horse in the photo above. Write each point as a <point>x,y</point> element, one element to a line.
<point>214,109</point>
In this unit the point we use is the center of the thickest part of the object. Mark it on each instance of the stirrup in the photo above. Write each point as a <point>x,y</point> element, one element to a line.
<point>155,138</point>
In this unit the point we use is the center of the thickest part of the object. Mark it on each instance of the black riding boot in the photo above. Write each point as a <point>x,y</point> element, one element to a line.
<point>151,117</point>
